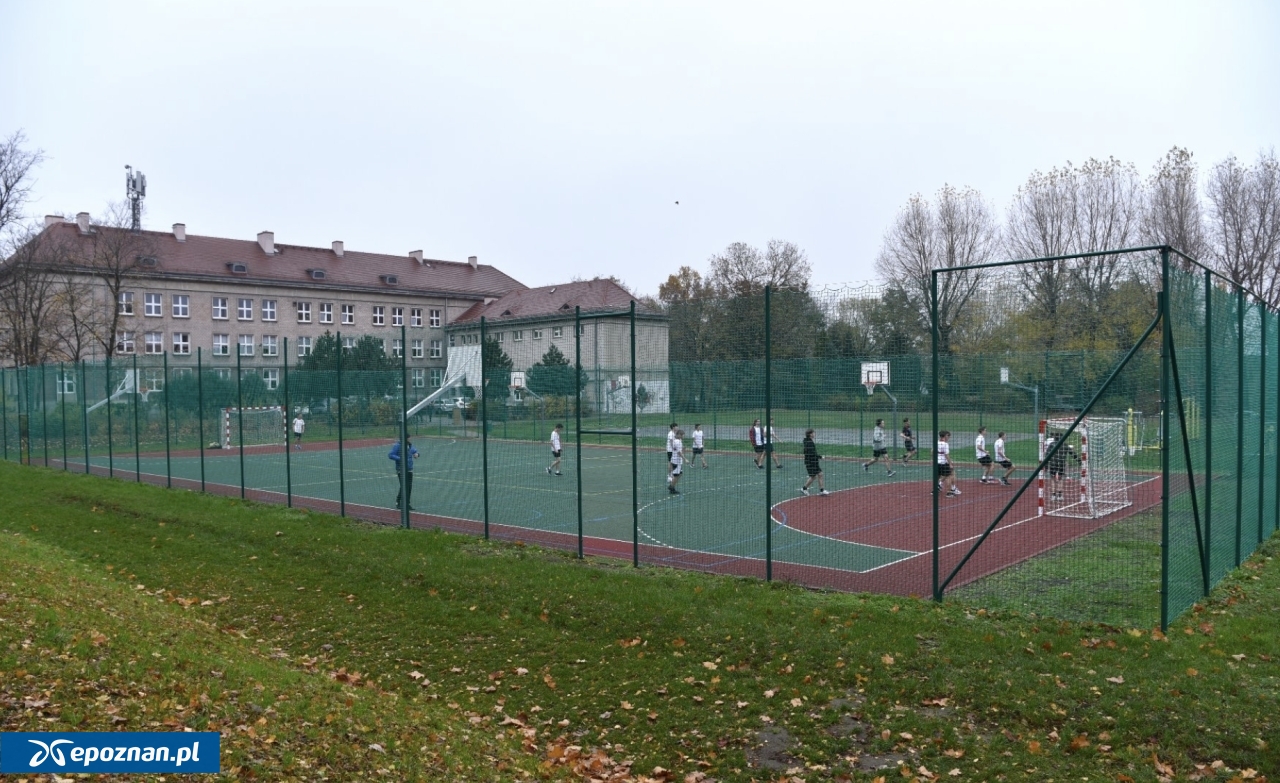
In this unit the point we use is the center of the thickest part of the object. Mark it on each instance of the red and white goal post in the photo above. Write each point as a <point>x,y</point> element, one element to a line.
<point>262,426</point>
<point>1087,477</point>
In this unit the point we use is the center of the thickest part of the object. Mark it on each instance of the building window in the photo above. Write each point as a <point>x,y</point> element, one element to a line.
<point>181,306</point>
<point>379,315</point>
<point>269,345</point>
<point>246,345</point>
<point>419,377</point>
<point>124,342</point>
<point>304,346</point>
<point>271,378</point>
<point>452,339</point>
<point>326,312</point>
<point>125,303</point>
<point>222,373</point>
<point>557,332</point>
<point>397,316</point>
<point>153,342</point>
<point>500,337</point>
<point>415,317</point>
<point>348,314</point>
<point>244,310</point>
<point>348,343</point>
<point>582,329</point>
<point>517,336</point>
<point>436,350</point>
<point>222,345</point>
<point>66,384</point>
<point>537,334</point>
<point>434,315</point>
<point>181,372</point>
<point>304,312</point>
<point>517,395</point>
<point>382,344</point>
<point>219,308</point>
<point>152,305</point>
<point>397,348</point>
<point>437,377</point>
<point>417,349</point>
<point>153,379</point>
<point>268,309</point>
<point>182,343</point>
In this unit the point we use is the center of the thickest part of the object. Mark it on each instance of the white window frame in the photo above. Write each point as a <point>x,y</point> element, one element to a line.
<point>415,317</point>
<point>417,349</point>
<point>271,378</point>
<point>153,305</point>
<point>304,312</point>
<point>537,334</point>
<point>153,379</point>
<point>348,315</point>
<point>419,377</point>
<point>181,305</point>
<point>517,335</point>
<point>270,345</point>
<point>222,345</point>
<point>244,309</point>
<point>326,312</point>
<point>397,316</point>
<point>219,308</point>
<point>397,348</point>
<point>434,318</point>
<point>223,373</point>
<point>269,310</point>
<point>437,377</point>
<point>124,341</point>
<point>452,340</point>
<point>437,349</point>
<point>557,332</point>
<point>500,337</point>
<point>124,304</point>
<point>379,315</point>
<point>304,347</point>
<point>182,343</point>
<point>348,343</point>
<point>153,343</point>
<point>66,383</point>
<point>246,344</point>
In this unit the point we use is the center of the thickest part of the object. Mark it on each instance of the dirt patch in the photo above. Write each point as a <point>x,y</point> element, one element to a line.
<point>772,753</point>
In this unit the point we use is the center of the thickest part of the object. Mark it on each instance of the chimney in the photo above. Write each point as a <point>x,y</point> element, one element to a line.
<point>416,255</point>
<point>180,232</point>
<point>473,261</point>
<point>337,248</point>
<point>268,241</point>
<point>52,220</point>
<point>82,220</point>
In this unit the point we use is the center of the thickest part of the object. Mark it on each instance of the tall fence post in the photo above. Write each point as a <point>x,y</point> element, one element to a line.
<point>288,461</point>
<point>577,422</point>
<point>635,460</point>
<point>200,408</point>
<point>405,456</point>
<point>168,449</point>
<point>84,412</point>
<point>1208,427</point>
<point>44,413</point>
<point>342,482</point>
<point>1166,392</point>
<point>1239,479</point>
<point>1262,418</point>
<point>768,437</point>
<point>484,425</point>
<point>111,446</point>
<point>4,410</point>
<point>137,435</point>
<point>240,411</point>
<point>61,391</point>
<point>933,457</point>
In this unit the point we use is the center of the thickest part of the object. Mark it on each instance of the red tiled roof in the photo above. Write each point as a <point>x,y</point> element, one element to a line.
<point>591,295</point>
<point>207,257</point>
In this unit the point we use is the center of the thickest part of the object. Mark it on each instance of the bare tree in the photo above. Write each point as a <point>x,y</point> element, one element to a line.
<point>1245,223</point>
<point>113,255</point>
<point>28,298</point>
<point>1173,214</point>
<point>959,231</point>
<point>17,164</point>
<point>742,270</point>
<point>1042,222</point>
<point>81,315</point>
<point>1108,217</point>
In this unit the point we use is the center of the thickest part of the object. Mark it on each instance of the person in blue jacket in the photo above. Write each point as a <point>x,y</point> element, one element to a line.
<point>405,479</point>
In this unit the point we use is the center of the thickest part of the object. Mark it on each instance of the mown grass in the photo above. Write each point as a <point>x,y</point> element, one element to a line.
<point>129,607</point>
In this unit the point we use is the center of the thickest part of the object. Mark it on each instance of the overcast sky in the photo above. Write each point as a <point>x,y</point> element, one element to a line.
<point>553,139</point>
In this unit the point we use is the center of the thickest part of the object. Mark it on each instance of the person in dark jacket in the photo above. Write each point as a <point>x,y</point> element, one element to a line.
<point>812,464</point>
<point>405,478</point>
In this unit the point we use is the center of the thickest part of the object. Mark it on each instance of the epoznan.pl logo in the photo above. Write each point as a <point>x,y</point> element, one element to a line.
<point>108,752</point>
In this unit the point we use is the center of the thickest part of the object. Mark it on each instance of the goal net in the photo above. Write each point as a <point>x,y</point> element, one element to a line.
<point>265,426</point>
<point>1086,478</point>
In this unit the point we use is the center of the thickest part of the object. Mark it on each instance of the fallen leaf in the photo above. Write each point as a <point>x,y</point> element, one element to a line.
<point>887,660</point>
<point>1116,680</point>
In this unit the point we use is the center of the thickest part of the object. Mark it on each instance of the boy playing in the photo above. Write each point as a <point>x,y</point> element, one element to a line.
<point>908,441</point>
<point>811,464</point>
<point>677,462</point>
<point>946,480</point>
<point>878,449</point>
<point>554,467</point>
<point>1002,460</point>
<point>299,426</point>
<point>984,459</point>
<point>697,444</point>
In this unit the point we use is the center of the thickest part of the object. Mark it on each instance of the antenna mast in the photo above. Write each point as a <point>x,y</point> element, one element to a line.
<point>135,186</point>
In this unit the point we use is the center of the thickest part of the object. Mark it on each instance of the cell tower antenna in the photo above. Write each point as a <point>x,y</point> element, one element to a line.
<point>135,185</point>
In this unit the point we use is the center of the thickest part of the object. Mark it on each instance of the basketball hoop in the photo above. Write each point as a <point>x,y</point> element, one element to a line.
<point>871,387</point>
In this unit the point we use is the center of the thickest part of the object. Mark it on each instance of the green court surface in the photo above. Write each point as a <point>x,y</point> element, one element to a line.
<point>718,517</point>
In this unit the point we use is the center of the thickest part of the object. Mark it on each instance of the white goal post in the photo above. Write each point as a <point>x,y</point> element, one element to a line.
<point>263,426</point>
<point>1087,477</point>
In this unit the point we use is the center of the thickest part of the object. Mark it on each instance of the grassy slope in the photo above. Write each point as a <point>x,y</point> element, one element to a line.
<point>250,617</point>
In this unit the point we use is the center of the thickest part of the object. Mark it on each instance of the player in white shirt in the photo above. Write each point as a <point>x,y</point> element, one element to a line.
<point>879,451</point>
<point>946,479</point>
<point>554,467</point>
<point>677,462</point>
<point>984,459</point>
<point>299,427</point>
<point>671,439</point>
<point>1002,460</point>
<point>697,444</point>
